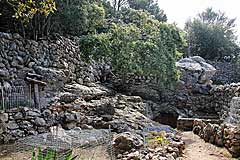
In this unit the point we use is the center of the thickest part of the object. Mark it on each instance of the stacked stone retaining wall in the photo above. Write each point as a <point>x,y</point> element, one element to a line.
<point>224,135</point>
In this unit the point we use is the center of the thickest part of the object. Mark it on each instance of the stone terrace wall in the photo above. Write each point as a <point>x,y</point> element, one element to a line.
<point>184,102</point>
<point>225,135</point>
<point>57,59</point>
<point>222,96</point>
<point>227,72</point>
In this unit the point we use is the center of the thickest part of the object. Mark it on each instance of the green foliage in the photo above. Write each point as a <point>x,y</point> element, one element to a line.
<point>142,45</point>
<point>211,35</point>
<point>51,155</point>
<point>33,19</point>
<point>150,6</point>
<point>78,17</point>
<point>109,10</point>
<point>25,10</point>
<point>156,139</point>
<point>30,18</point>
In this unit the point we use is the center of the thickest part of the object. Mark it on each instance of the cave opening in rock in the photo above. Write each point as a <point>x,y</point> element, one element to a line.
<point>167,119</point>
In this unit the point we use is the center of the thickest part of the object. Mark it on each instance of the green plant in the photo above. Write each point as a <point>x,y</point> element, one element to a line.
<point>30,18</point>
<point>78,17</point>
<point>155,139</point>
<point>51,154</point>
<point>141,45</point>
<point>211,35</point>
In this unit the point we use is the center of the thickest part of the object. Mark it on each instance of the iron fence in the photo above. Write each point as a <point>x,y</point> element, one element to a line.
<point>17,96</point>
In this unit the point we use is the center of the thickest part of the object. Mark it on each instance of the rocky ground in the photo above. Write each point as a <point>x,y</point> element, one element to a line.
<point>197,149</point>
<point>90,96</point>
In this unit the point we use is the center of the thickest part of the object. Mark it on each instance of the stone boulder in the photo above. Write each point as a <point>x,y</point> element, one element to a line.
<point>231,135</point>
<point>87,92</point>
<point>234,111</point>
<point>67,97</point>
<point>55,78</point>
<point>195,70</point>
<point>126,141</point>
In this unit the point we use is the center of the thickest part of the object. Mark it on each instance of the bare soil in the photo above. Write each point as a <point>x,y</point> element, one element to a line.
<point>198,149</point>
<point>95,153</point>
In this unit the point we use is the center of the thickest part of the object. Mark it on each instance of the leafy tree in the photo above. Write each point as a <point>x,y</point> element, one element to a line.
<point>211,35</point>
<point>109,10</point>
<point>118,4</point>
<point>143,46</point>
<point>30,17</point>
<point>78,17</point>
<point>150,6</point>
<point>33,19</point>
<point>27,9</point>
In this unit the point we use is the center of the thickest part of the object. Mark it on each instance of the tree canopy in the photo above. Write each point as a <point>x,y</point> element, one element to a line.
<point>130,34</point>
<point>150,6</point>
<point>212,35</point>
<point>141,45</point>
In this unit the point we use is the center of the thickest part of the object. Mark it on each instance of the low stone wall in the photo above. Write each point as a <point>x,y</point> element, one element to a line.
<point>184,101</point>
<point>21,122</point>
<point>222,96</point>
<point>224,135</point>
<point>227,72</point>
<point>186,124</point>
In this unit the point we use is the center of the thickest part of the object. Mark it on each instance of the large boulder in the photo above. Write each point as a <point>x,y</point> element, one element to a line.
<point>87,92</point>
<point>126,141</point>
<point>195,70</point>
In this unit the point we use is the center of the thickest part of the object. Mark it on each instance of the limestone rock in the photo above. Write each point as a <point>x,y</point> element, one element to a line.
<point>126,141</point>
<point>40,122</point>
<point>3,117</point>
<point>12,125</point>
<point>195,70</point>
<point>4,74</point>
<point>67,97</point>
<point>86,92</point>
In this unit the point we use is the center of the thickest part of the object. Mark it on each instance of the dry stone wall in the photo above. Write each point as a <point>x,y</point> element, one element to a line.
<point>193,96</point>
<point>57,59</point>
<point>227,72</point>
<point>225,135</point>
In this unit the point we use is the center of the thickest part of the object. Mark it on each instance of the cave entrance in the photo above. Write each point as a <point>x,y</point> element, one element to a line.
<point>167,119</point>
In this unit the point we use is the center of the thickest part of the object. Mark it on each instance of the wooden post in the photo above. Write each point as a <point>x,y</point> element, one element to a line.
<point>36,96</point>
<point>2,98</point>
<point>34,80</point>
<point>30,95</point>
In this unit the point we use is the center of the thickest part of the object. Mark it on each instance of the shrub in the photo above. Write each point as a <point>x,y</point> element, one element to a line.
<point>141,45</point>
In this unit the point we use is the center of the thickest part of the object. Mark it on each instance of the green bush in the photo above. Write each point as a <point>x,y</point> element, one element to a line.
<point>78,17</point>
<point>211,35</point>
<point>141,45</point>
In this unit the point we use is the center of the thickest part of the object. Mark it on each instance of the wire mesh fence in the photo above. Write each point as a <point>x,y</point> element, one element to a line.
<point>16,96</point>
<point>86,144</point>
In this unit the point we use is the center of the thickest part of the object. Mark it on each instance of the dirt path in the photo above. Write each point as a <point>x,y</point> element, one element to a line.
<point>197,149</point>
